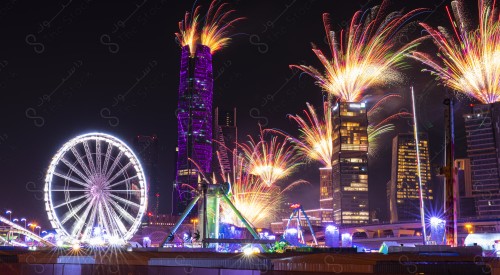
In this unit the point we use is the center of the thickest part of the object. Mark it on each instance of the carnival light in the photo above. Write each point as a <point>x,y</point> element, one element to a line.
<point>363,56</point>
<point>469,60</point>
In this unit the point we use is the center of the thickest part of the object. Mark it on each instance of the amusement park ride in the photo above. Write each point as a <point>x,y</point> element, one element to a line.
<point>95,194</point>
<point>210,195</point>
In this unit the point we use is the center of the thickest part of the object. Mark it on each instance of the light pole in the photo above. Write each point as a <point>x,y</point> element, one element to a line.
<point>39,228</point>
<point>24,220</point>
<point>15,220</point>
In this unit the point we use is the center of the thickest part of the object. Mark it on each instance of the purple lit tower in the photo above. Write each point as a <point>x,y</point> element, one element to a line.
<point>194,115</point>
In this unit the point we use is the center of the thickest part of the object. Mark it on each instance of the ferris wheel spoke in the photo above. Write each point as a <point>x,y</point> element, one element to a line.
<point>81,161</point>
<point>124,190</point>
<point>76,170</point>
<point>107,158</point>
<point>73,211</point>
<point>72,179</point>
<point>122,212</point>
<point>125,201</point>
<point>71,201</point>
<point>115,163</point>
<point>81,221</point>
<point>89,157</point>
<point>98,155</point>
<point>91,222</point>
<point>120,182</point>
<point>104,220</point>
<point>117,174</point>
<point>115,218</point>
<point>68,190</point>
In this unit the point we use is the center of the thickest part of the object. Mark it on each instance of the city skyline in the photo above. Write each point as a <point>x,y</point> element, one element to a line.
<point>144,109</point>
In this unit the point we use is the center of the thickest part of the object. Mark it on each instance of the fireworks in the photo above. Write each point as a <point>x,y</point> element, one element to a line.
<point>270,160</point>
<point>317,134</point>
<point>470,58</point>
<point>214,30</point>
<point>257,202</point>
<point>365,56</point>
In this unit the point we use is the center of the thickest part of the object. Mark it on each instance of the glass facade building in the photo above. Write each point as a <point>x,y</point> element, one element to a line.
<point>404,193</point>
<point>350,164</point>
<point>483,144</point>
<point>194,120</point>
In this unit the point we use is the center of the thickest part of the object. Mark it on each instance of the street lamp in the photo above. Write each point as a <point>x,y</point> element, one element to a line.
<point>39,228</point>
<point>15,220</point>
<point>24,220</point>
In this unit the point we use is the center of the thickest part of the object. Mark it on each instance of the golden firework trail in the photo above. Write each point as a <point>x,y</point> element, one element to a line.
<point>214,32</point>
<point>317,134</point>
<point>365,55</point>
<point>257,202</point>
<point>272,159</point>
<point>469,60</point>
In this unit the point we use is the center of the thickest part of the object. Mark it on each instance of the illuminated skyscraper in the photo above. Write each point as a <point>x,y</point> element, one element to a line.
<point>194,115</point>
<point>326,194</point>
<point>404,192</point>
<point>226,135</point>
<point>350,164</point>
<point>466,203</point>
<point>483,149</point>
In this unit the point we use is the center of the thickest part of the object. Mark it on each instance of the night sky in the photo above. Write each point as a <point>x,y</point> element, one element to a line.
<point>66,70</point>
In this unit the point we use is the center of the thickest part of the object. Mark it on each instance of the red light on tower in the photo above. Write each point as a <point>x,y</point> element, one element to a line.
<point>294,206</point>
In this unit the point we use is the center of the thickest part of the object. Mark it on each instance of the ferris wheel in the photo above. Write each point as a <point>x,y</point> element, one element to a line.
<point>95,190</point>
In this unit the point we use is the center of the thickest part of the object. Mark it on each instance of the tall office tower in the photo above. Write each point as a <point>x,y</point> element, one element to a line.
<point>148,151</point>
<point>350,164</point>
<point>226,136</point>
<point>483,145</point>
<point>404,193</point>
<point>326,194</point>
<point>466,203</point>
<point>194,115</point>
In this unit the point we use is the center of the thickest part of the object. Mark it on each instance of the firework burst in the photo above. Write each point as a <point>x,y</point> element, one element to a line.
<point>366,55</point>
<point>470,59</point>
<point>257,202</point>
<point>317,134</point>
<point>214,30</point>
<point>270,160</point>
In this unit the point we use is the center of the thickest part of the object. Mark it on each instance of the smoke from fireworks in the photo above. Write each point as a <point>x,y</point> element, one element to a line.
<point>366,54</point>
<point>317,134</point>
<point>270,160</point>
<point>471,58</point>
<point>214,31</point>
